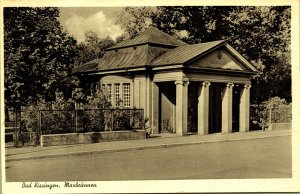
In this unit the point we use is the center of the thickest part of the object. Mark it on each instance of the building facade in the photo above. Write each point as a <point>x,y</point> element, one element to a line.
<point>201,88</point>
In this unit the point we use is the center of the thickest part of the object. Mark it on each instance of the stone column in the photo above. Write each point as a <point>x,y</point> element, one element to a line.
<point>181,106</point>
<point>113,97</point>
<point>245,108</point>
<point>121,96</point>
<point>227,108</point>
<point>132,94</point>
<point>147,107</point>
<point>203,108</point>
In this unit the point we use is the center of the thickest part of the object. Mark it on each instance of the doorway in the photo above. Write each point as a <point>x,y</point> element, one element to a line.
<point>192,123</point>
<point>215,108</point>
<point>167,109</point>
<point>236,99</point>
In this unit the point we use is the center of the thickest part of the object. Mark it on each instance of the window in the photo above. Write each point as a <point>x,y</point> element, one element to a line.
<point>117,95</point>
<point>126,95</point>
<point>109,92</point>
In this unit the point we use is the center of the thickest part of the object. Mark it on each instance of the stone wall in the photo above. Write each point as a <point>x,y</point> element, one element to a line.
<point>280,126</point>
<point>91,137</point>
<point>59,139</point>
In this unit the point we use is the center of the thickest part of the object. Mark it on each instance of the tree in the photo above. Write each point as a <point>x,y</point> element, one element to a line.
<point>202,24</point>
<point>265,40</point>
<point>38,55</point>
<point>92,48</point>
<point>261,34</point>
<point>135,19</point>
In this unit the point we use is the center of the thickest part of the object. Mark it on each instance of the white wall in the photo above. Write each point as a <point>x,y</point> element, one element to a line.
<point>141,90</point>
<point>120,79</point>
<point>143,94</point>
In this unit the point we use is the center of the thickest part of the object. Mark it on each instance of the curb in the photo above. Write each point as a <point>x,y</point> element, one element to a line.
<point>96,152</point>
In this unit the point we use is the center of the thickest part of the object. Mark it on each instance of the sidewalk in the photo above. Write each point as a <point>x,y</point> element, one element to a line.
<point>155,142</point>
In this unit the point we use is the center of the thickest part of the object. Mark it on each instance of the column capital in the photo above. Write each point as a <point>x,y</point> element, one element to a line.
<point>247,86</point>
<point>206,84</point>
<point>229,85</point>
<point>182,82</point>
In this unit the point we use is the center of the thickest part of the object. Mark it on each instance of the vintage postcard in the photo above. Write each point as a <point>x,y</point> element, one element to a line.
<point>149,97</point>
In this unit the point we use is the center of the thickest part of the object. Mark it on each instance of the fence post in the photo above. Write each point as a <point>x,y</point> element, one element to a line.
<point>112,120</point>
<point>16,128</point>
<point>270,118</point>
<point>76,120</point>
<point>143,120</point>
<point>39,123</point>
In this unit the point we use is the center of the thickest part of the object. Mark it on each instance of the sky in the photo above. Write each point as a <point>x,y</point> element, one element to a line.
<point>78,20</point>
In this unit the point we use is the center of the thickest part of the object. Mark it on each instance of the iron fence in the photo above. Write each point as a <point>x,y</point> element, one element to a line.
<point>28,125</point>
<point>110,119</point>
<point>56,121</point>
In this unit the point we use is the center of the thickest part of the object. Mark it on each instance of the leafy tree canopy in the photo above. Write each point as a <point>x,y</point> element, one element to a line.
<point>93,47</point>
<point>261,34</point>
<point>38,55</point>
<point>135,20</point>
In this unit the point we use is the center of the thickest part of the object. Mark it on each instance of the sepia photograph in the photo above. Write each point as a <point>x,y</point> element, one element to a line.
<point>106,94</point>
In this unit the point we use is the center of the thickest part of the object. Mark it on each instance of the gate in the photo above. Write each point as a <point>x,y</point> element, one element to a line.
<point>18,133</point>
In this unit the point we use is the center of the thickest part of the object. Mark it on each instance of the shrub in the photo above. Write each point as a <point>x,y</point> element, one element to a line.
<point>57,122</point>
<point>29,121</point>
<point>121,120</point>
<point>94,120</point>
<point>276,108</point>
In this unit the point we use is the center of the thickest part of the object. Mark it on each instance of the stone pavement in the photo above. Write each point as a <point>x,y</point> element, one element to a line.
<point>156,141</point>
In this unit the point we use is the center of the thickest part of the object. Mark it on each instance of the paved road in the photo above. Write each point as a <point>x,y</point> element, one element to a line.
<point>256,158</point>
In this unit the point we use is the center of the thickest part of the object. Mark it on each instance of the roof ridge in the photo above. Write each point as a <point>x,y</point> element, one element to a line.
<point>166,34</point>
<point>150,28</point>
<point>151,35</point>
<point>180,50</point>
<point>209,42</point>
<point>119,45</point>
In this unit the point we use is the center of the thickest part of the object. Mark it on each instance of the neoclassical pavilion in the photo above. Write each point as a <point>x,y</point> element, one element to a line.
<point>201,88</point>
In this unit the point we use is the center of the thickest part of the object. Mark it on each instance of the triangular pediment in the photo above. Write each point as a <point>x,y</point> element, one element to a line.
<point>218,59</point>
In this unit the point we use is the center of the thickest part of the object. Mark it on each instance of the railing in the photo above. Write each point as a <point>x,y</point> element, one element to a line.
<point>110,119</point>
<point>29,125</point>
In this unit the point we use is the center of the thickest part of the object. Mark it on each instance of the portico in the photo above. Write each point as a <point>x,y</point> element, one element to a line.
<point>205,110</point>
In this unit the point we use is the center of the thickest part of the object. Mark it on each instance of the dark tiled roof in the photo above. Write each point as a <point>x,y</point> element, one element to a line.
<point>151,35</point>
<point>87,66</point>
<point>182,54</point>
<point>141,56</point>
<point>121,59</point>
<point>125,58</point>
<point>139,52</point>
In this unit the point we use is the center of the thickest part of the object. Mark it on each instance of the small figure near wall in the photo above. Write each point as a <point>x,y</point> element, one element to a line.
<point>147,128</point>
<point>148,131</point>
